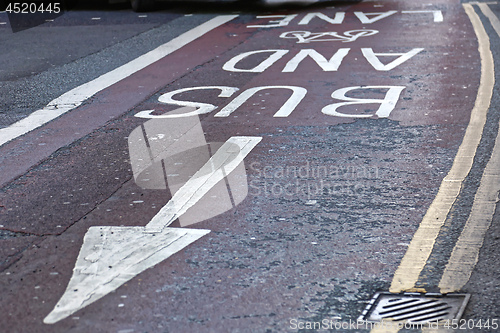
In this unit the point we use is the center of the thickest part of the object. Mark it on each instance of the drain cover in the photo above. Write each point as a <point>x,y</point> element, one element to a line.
<point>415,308</point>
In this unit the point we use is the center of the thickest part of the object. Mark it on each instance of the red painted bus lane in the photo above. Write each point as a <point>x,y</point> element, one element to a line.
<point>361,109</point>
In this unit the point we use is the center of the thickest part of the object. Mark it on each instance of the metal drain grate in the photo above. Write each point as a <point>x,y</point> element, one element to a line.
<point>415,308</point>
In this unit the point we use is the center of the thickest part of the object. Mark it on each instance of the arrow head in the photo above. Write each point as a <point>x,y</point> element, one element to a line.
<point>111,256</point>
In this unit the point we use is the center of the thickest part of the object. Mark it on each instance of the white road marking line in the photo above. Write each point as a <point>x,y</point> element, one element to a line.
<point>495,22</point>
<point>219,165</point>
<point>75,97</point>
<point>111,256</point>
<point>478,3</point>
<point>437,14</point>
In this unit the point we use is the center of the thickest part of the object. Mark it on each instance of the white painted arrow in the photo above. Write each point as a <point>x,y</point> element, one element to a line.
<point>111,256</point>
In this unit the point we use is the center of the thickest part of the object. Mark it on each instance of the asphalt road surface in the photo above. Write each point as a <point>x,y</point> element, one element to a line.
<point>248,167</point>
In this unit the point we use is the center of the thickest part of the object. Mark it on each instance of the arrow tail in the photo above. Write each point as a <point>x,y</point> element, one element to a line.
<point>221,164</point>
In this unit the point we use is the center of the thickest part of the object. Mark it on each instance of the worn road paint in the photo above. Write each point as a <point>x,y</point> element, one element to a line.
<point>222,163</point>
<point>276,21</point>
<point>75,97</point>
<point>465,254</point>
<point>423,241</point>
<point>436,14</point>
<point>165,153</point>
<point>111,256</point>
<point>327,65</point>
<point>373,58</point>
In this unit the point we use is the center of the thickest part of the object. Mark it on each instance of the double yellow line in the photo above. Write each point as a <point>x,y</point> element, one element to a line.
<point>422,244</point>
<point>466,251</point>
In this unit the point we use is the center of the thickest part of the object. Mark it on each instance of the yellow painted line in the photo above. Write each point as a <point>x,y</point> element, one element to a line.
<point>465,254</point>
<point>423,241</point>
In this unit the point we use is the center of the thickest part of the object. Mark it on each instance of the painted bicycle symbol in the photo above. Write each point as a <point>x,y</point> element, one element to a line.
<point>347,37</point>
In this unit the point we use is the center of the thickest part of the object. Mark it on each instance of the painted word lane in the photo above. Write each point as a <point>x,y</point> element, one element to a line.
<point>330,67</point>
